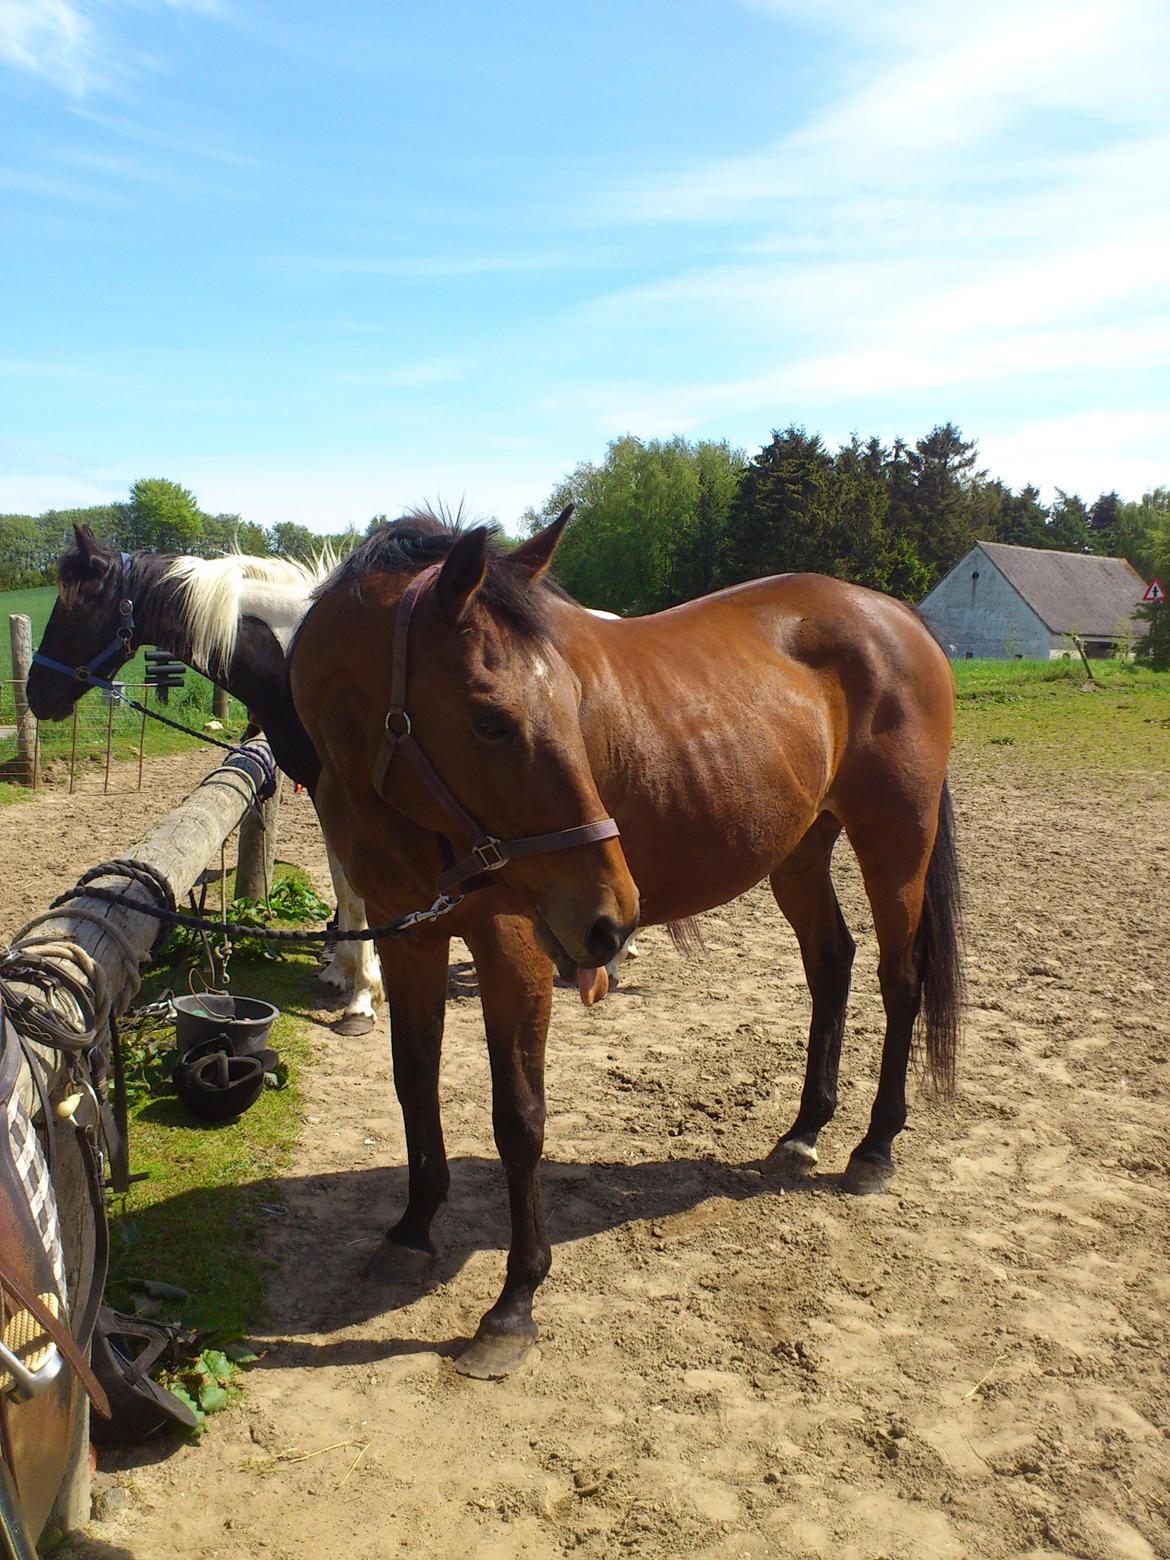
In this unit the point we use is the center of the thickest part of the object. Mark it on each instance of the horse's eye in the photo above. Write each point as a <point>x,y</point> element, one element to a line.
<point>492,728</point>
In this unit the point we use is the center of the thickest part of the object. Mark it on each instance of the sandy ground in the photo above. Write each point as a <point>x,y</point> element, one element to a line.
<point>732,1364</point>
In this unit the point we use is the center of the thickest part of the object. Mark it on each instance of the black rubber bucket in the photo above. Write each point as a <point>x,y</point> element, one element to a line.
<point>245,1020</point>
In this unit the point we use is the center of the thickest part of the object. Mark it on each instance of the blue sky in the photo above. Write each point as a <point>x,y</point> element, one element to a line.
<point>319,261</point>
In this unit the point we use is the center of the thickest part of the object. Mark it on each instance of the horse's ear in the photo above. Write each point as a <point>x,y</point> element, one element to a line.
<point>463,572</point>
<point>93,559</point>
<point>535,555</point>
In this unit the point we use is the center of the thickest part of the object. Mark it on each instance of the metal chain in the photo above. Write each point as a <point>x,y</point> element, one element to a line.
<point>442,906</point>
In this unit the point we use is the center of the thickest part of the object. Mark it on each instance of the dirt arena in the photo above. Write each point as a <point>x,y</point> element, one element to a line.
<point>733,1363</point>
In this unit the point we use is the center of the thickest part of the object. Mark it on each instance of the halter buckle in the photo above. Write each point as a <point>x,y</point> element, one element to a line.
<point>391,731</point>
<point>490,854</point>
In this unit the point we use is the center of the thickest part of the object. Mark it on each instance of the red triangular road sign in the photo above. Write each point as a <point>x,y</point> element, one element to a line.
<point>1154,592</point>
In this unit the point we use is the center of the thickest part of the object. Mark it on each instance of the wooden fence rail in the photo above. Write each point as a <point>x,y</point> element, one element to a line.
<point>179,847</point>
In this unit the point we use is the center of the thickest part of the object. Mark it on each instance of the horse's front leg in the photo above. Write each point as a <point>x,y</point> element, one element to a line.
<point>415,970</point>
<point>515,987</point>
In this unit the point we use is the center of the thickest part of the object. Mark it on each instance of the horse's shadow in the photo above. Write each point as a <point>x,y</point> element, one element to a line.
<point>324,1230</point>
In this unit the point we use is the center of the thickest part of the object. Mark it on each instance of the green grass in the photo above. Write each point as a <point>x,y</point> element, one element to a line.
<point>1048,713</point>
<point>197,1219</point>
<point>37,603</point>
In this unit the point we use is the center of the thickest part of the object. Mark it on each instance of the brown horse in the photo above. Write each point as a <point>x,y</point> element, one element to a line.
<point>732,739</point>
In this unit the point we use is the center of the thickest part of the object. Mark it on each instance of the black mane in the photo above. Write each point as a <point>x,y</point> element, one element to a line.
<point>418,539</point>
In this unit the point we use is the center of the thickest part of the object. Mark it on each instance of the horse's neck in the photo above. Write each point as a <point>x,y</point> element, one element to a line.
<point>158,613</point>
<point>622,708</point>
<point>161,620</point>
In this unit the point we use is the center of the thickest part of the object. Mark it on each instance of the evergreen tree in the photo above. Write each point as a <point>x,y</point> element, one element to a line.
<point>1022,517</point>
<point>1103,524</point>
<point>941,516</point>
<point>782,518</point>
<point>1068,524</point>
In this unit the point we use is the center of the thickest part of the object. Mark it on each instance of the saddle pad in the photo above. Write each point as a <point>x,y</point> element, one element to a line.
<point>32,1171</point>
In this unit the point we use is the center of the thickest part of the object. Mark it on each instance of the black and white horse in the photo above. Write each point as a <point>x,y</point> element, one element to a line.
<point>231,618</point>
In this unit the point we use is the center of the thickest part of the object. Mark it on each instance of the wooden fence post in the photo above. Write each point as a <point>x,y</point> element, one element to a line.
<point>256,854</point>
<point>20,630</point>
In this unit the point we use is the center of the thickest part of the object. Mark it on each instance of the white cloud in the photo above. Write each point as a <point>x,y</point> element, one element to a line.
<point>55,39</point>
<point>954,77</point>
<point>1089,451</point>
<point>69,42</point>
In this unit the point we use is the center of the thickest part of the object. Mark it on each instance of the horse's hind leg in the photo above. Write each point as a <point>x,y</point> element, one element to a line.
<point>353,970</point>
<point>804,891</point>
<point>907,856</point>
<point>515,988</point>
<point>416,981</point>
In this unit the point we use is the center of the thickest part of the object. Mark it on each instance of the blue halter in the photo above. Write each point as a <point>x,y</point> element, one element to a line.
<point>123,641</point>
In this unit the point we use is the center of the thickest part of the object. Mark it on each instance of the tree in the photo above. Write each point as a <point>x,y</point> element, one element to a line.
<point>165,517</point>
<point>290,540</point>
<point>1068,524</point>
<point>1103,524</point>
<point>782,516</point>
<point>1153,647</point>
<point>649,525</point>
<point>1022,517</point>
<point>939,514</point>
<point>1142,532</point>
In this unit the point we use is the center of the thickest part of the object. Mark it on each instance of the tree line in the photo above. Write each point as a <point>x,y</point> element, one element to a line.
<point>661,521</point>
<point>159,516</point>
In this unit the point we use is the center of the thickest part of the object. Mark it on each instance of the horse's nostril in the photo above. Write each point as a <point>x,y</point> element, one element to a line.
<point>604,939</point>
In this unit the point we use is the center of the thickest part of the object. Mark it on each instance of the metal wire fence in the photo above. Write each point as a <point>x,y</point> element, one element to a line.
<point>99,747</point>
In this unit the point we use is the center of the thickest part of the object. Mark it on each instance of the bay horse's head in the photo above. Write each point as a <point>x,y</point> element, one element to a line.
<point>88,632</point>
<point>494,706</point>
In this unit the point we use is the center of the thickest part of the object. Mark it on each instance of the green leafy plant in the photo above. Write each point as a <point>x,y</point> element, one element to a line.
<point>206,1383</point>
<point>292,902</point>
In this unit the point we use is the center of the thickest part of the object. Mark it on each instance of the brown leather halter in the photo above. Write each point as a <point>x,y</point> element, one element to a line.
<point>488,854</point>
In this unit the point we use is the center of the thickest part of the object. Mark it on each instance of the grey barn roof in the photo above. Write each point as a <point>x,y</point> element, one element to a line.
<point>1072,592</point>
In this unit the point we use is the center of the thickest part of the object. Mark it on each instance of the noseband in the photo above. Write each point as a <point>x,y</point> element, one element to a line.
<point>122,641</point>
<point>488,854</point>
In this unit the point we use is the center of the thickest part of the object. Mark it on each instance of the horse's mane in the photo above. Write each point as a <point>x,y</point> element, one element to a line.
<point>420,538</point>
<point>209,592</point>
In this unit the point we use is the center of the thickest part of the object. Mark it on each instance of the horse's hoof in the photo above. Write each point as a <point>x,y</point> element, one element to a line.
<point>795,1156</point>
<point>863,1177</point>
<point>394,1263</point>
<point>354,1024</point>
<point>492,1356</point>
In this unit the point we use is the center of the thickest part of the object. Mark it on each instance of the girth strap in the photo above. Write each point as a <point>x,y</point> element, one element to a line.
<point>488,853</point>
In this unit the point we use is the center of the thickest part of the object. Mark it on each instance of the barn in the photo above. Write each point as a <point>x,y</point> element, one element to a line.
<point>1003,601</point>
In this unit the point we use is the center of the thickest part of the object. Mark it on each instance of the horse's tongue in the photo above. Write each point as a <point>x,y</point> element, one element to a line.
<point>592,984</point>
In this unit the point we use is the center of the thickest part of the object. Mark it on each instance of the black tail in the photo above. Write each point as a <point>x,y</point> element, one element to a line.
<point>940,951</point>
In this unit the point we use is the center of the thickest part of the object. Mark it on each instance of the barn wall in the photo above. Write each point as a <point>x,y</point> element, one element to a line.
<point>987,616</point>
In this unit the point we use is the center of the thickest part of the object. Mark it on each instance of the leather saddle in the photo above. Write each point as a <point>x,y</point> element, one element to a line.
<point>43,1371</point>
